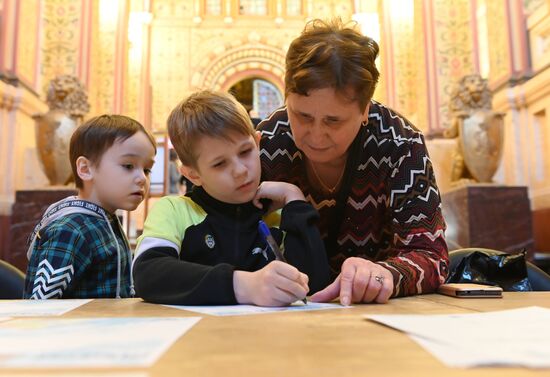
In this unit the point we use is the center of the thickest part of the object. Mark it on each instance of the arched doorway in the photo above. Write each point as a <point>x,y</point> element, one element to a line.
<point>258,95</point>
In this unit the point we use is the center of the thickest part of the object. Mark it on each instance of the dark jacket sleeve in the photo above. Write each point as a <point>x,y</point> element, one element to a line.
<point>161,277</point>
<point>303,245</point>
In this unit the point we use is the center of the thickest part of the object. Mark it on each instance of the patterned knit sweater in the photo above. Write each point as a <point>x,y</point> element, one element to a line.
<point>388,208</point>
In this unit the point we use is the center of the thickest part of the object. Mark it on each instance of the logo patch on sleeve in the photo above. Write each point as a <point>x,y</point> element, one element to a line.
<point>209,241</point>
<point>259,250</point>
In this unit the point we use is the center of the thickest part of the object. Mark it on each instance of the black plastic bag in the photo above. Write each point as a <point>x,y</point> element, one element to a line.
<point>509,271</point>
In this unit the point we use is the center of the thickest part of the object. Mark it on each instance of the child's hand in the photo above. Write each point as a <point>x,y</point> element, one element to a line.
<point>277,284</point>
<point>280,193</point>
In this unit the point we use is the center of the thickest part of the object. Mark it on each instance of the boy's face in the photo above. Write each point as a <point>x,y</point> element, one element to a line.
<point>121,178</point>
<point>228,169</point>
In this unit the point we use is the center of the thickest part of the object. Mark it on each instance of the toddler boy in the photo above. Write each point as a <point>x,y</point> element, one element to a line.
<point>78,249</point>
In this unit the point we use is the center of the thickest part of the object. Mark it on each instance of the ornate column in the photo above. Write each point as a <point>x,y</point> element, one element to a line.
<point>137,102</point>
<point>107,62</point>
<point>19,42</point>
<point>398,46</point>
<point>18,160</point>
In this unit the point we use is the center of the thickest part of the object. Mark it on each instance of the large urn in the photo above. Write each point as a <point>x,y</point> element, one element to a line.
<point>53,134</point>
<point>68,103</point>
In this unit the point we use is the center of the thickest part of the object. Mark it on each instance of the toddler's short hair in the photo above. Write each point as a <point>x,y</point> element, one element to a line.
<point>205,113</point>
<point>95,136</point>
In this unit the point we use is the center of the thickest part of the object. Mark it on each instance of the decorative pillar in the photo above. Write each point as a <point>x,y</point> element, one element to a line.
<point>107,60</point>
<point>8,38</point>
<point>398,46</point>
<point>228,19</point>
<point>120,55</point>
<point>137,98</point>
<point>18,162</point>
<point>19,56</point>
<point>85,44</point>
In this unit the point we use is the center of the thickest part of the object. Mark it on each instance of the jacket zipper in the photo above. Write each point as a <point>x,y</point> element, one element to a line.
<point>237,232</point>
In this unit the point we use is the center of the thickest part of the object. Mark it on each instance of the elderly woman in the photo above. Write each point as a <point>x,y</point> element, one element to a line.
<point>362,165</point>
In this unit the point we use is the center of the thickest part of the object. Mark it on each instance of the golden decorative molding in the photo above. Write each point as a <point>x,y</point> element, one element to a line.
<point>19,98</point>
<point>215,72</point>
<point>538,26</point>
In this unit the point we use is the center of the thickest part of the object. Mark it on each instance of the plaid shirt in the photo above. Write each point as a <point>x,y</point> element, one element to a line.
<point>75,256</point>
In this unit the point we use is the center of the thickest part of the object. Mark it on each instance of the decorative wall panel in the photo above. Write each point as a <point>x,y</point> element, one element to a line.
<point>60,39</point>
<point>173,8</point>
<point>328,8</point>
<point>453,49</point>
<point>186,57</point>
<point>170,70</point>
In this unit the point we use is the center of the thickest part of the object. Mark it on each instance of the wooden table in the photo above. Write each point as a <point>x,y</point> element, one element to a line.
<point>319,343</point>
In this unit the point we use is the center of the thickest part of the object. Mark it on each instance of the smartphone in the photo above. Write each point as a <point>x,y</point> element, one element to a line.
<point>467,290</point>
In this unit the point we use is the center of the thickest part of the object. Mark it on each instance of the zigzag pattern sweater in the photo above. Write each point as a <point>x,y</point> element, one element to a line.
<point>388,208</point>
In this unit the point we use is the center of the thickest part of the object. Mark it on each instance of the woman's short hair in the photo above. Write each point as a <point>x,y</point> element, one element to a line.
<point>331,54</point>
<point>205,113</point>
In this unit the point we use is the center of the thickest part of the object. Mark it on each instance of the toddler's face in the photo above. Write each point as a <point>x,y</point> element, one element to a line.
<point>121,179</point>
<point>228,169</point>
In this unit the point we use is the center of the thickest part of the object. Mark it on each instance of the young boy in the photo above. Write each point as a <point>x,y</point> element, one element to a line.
<point>78,249</point>
<point>205,248</point>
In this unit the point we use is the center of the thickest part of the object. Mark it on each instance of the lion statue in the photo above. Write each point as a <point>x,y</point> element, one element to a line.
<point>68,104</point>
<point>478,129</point>
<point>67,94</point>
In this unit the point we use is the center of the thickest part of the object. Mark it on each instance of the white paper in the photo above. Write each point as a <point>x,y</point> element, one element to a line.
<point>225,310</point>
<point>39,308</point>
<point>516,337</point>
<point>88,342</point>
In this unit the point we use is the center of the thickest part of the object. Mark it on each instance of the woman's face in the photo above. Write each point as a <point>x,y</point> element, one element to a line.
<point>324,123</point>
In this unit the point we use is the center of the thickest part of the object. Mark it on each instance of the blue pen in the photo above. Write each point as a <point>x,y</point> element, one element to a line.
<point>264,231</point>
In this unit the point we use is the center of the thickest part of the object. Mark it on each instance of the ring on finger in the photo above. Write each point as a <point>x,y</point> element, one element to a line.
<point>379,279</point>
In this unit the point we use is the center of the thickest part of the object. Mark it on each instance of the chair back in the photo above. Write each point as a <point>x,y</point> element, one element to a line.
<point>12,281</point>
<point>539,280</point>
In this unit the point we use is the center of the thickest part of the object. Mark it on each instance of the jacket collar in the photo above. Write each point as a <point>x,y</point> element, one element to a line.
<point>236,211</point>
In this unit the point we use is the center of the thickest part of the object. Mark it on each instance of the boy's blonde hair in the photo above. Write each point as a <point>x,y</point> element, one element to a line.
<point>205,113</point>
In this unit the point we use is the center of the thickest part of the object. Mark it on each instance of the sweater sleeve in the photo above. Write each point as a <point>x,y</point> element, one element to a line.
<point>160,276</point>
<point>417,257</point>
<point>57,263</point>
<point>303,245</point>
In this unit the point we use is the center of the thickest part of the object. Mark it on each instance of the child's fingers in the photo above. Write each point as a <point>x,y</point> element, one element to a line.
<point>287,270</point>
<point>282,297</point>
<point>293,287</point>
<point>292,273</point>
<point>304,281</point>
<point>259,195</point>
<point>257,203</point>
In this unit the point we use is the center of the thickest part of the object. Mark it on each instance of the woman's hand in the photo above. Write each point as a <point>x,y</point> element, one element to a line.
<point>280,194</point>
<point>359,281</point>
